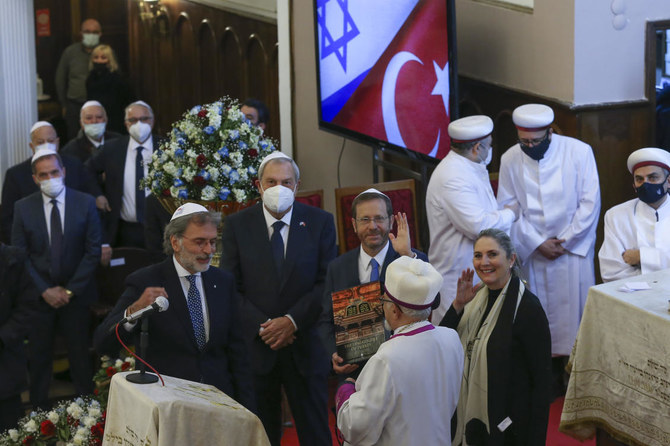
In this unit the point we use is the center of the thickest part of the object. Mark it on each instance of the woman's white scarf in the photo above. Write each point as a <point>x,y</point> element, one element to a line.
<point>473,400</point>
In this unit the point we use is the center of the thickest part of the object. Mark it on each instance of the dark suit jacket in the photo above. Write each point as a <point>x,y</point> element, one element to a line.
<point>519,380</point>
<point>172,346</point>
<point>156,217</point>
<point>18,299</point>
<point>111,161</point>
<point>19,183</point>
<point>81,243</point>
<point>82,148</point>
<point>343,274</point>
<point>264,294</point>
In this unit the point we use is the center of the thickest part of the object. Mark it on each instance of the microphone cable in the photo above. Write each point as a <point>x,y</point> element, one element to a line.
<point>116,330</point>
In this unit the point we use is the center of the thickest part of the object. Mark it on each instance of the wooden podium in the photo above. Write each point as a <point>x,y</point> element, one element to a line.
<point>182,412</point>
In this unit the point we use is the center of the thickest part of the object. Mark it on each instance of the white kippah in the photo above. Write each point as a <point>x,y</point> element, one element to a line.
<point>142,103</point>
<point>372,190</point>
<point>41,153</point>
<point>412,283</point>
<point>470,128</point>
<point>276,155</point>
<point>91,103</point>
<point>648,156</point>
<point>39,124</point>
<point>187,209</point>
<point>532,117</point>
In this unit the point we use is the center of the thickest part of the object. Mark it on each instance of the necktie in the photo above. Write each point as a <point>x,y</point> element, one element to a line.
<point>195,308</point>
<point>56,242</point>
<point>277,243</point>
<point>139,190</point>
<point>374,274</point>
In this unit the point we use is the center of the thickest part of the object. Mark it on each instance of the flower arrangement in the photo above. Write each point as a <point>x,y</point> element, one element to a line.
<point>75,422</point>
<point>72,422</point>
<point>212,153</point>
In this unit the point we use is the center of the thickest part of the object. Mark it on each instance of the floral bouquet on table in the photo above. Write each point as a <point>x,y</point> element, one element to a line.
<point>75,422</point>
<point>103,377</point>
<point>212,154</point>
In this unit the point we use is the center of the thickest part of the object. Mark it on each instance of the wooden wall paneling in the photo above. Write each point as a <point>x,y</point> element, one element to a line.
<point>48,49</point>
<point>256,68</point>
<point>113,19</point>
<point>231,64</point>
<point>185,57</point>
<point>208,89</point>
<point>273,128</point>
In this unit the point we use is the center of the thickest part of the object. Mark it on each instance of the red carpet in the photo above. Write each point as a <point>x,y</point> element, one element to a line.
<point>554,437</point>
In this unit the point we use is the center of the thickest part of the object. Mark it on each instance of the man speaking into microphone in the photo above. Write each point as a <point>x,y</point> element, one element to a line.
<point>196,337</point>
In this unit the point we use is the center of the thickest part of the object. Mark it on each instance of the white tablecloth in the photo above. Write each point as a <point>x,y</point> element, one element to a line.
<point>181,413</point>
<point>620,376</point>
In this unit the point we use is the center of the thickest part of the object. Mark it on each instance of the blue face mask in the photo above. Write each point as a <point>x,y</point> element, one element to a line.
<point>651,193</point>
<point>538,150</point>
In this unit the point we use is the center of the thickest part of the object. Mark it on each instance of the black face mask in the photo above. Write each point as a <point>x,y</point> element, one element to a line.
<point>651,193</point>
<point>538,150</point>
<point>100,67</point>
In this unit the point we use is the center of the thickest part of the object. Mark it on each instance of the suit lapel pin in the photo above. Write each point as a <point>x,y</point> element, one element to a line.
<point>214,285</point>
<point>302,223</point>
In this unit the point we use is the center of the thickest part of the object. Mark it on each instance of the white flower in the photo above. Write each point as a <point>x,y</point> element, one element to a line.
<point>82,432</point>
<point>93,411</point>
<point>240,195</point>
<point>214,172</point>
<point>74,410</point>
<point>30,426</point>
<point>208,193</point>
<point>13,434</point>
<point>189,173</point>
<point>236,158</point>
<point>118,364</point>
<point>191,153</point>
<point>170,168</point>
<point>53,417</point>
<point>130,360</point>
<point>243,175</point>
<point>89,421</point>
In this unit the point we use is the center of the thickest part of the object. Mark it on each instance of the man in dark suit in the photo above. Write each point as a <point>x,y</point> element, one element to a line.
<point>372,218</point>
<point>18,182</point>
<point>279,251</point>
<point>124,162</point>
<point>200,342</point>
<point>60,230</point>
<point>93,133</point>
<point>18,298</point>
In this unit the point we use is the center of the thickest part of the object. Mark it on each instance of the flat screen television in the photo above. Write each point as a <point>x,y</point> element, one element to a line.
<point>386,72</point>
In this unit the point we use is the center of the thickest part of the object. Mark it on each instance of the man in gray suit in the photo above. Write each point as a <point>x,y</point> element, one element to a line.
<point>59,228</point>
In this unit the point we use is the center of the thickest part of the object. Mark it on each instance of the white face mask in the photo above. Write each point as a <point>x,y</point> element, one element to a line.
<point>47,145</point>
<point>140,131</point>
<point>52,187</point>
<point>486,161</point>
<point>90,40</point>
<point>278,198</point>
<point>95,131</point>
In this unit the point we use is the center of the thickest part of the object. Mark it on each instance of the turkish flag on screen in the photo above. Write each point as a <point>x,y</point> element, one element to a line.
<point>404,99</point>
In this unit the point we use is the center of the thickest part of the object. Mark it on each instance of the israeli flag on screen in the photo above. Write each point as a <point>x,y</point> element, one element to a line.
<point>352,35</point>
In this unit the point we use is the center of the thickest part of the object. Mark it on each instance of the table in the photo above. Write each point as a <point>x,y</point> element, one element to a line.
<point>181,413</point>
<point>620,364</point>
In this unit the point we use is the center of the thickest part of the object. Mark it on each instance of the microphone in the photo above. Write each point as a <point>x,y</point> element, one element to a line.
<point>161,304</point>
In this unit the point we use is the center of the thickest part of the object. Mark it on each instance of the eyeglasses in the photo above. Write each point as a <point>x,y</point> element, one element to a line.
<point>366,220</point>
<point>532,142</point>
<point>141,118</point>
<point>382,300</point>
<point>201,242</point>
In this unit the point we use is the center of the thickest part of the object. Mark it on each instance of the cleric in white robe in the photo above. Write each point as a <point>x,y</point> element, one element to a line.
<point>637,232</point>
<point>460,203</point>
<point>554,180</point>
<point>408,391</point>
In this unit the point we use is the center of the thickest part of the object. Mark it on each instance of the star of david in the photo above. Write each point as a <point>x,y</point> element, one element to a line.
<point>349,32</point>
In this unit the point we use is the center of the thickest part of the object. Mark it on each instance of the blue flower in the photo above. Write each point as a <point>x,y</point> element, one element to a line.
<point>251,170</point>
<point>234,134</point>
<point>195,110</point>
<point>242,145</point>
<point>234,176</point>
<point>203,173</point>
<point>177,182</point>
<point>180,172</point>
<point>223,151</point>
<point>158,174</point>
<point>209,129</point>
<point>179,153</point>
<point>159,153</point>
<point>181,141</point>
<point>263,143</point>
<point>223,193</point>
<point>182,194</point>
<point>155,185</point>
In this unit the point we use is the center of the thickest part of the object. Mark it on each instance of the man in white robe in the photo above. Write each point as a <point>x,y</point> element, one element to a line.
<point>637,232</point>
<point>407,392</point>
<point>460,203</point>
<point>554,180</point>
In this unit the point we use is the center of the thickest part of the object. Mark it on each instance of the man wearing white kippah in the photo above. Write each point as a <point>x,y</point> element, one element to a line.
<point>408,391</point>
<point>18,181</point>
<point>637,232</point>
<point>554,180</point>
<point>198,337</point>
<point>93,133</point>
<point>460,203</point>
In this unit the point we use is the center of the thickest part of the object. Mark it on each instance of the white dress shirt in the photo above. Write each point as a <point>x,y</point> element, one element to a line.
<point>128,209</point>
<point>364,267</point>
